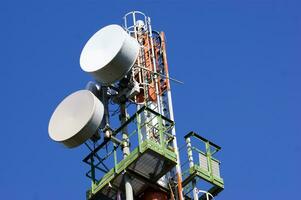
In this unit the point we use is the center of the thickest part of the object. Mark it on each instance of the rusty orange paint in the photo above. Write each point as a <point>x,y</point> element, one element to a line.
<point>180,189</point>
<point>163,44</point>
<point>149,65</point>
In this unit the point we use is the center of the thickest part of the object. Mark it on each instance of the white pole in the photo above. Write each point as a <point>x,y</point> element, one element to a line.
<point>126,151</point>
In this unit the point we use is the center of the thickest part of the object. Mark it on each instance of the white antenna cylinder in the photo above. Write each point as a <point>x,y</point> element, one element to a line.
<point>76,119</point>
<point>109,54</point>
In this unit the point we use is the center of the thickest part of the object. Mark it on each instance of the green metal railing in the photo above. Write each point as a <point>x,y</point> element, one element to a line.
<point>145,127</point>
<point>201,165</point>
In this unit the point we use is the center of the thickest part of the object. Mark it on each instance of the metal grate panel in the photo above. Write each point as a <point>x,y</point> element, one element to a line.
<point>215,168</point>
<point>203,161</point>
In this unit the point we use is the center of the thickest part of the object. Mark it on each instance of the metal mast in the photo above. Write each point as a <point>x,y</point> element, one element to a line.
<point>126,120</point>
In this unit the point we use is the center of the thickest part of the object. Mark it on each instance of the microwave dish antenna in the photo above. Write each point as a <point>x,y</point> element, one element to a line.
<point>76,119</point>
<point>109,54</point>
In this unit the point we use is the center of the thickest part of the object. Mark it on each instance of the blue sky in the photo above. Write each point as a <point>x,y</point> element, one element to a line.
<point>240,61</point>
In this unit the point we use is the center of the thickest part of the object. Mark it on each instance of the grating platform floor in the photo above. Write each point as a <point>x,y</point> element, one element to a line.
<point>197,172</point>
<point>145,165</point>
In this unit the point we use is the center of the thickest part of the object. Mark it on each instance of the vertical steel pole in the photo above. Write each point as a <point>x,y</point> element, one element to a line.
<point>171,116</point>
<point>126,151</point>
<point>191,164</point>
<point>155,67</point>
<point>128,188</point>
<point>106,121</point>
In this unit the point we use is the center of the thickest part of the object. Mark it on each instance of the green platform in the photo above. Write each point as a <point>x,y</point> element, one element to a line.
<point>206,169</point>
<point>151,162</point>
<point>145,165</point>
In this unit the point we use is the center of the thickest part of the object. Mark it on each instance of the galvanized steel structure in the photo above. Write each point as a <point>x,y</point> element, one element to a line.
<point>134,153</point>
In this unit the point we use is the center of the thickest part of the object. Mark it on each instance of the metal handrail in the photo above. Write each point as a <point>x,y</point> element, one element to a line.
<point>163,138</point>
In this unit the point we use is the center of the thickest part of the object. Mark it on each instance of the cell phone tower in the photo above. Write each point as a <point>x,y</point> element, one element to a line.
<point>125,118</point>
